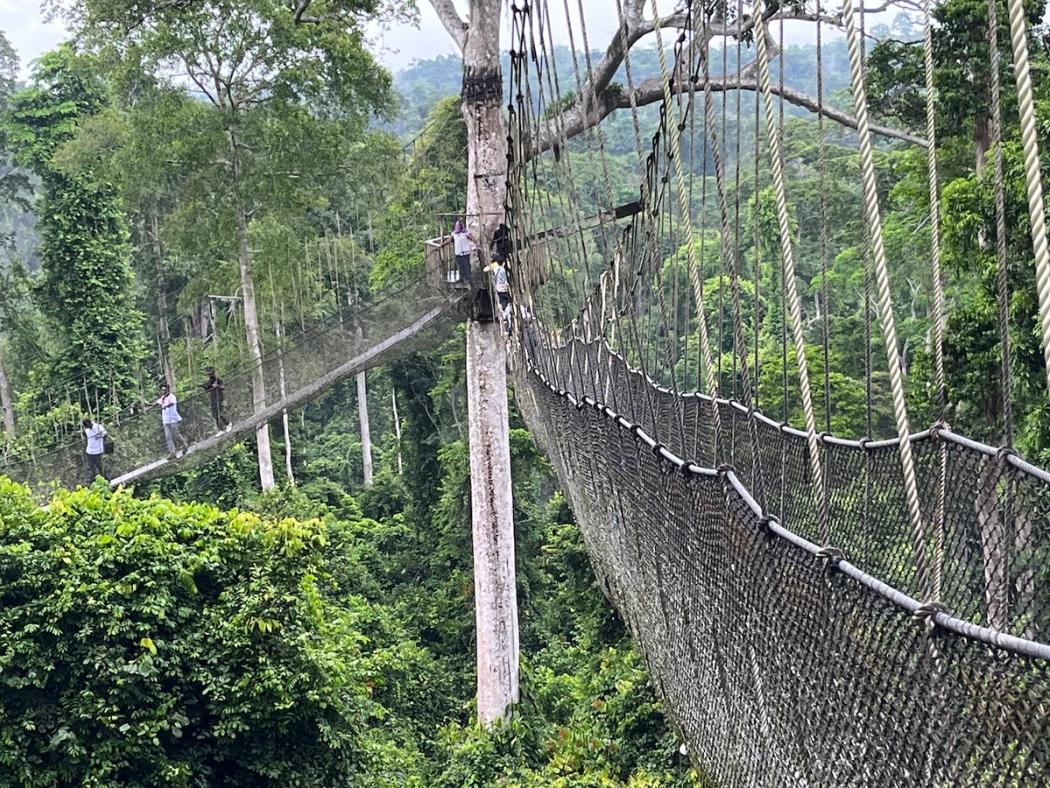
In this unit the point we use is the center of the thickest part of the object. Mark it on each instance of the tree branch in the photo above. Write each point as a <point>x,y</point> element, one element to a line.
<point>575,120</point>
<point>449,17</point>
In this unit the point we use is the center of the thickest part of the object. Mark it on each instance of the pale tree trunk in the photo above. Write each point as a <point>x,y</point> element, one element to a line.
<point>366,433</point>
<point>994,547</point>
<point>6,398</point>
<point>251,321</point>
<point>163,335</point>
<point>492,512</point>
<point>397,432</point>
<point>284,413</point>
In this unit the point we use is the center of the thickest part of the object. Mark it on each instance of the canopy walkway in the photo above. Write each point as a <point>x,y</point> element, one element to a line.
<point>399,320</point>
<point>813,610</point>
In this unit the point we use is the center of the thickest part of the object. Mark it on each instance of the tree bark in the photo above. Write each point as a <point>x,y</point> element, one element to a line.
<point>397,432</point>
<point>251,320</point>
<point>284,413</point>
<point>366,433</point>
<point>982,138</point>
<point>163,334</point>
<point>492,511</point>
<point>6,398</point>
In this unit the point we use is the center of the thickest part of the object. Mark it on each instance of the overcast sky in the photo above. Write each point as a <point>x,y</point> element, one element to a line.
<point>25,26</point>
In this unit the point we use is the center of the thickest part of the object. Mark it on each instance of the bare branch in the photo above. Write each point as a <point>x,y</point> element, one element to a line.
<point>575,120</point>
<point>450,18</point>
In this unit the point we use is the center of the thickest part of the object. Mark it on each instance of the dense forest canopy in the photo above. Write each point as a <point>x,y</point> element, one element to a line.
<point>181,190</point>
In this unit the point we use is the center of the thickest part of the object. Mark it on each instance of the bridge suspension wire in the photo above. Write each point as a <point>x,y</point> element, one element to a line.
<point>1002,281</point>
<point>794,307</point>
<point>884,302</point>
<point>940,385</point>
<point>1033,175</point>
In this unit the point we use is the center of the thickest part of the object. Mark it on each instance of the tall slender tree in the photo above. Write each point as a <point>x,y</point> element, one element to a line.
<point>259,64</point>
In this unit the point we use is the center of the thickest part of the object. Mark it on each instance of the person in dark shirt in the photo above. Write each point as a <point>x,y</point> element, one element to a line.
<point>216,388</point>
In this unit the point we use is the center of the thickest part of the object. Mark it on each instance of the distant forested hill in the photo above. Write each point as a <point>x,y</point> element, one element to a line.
<point>421,85</point>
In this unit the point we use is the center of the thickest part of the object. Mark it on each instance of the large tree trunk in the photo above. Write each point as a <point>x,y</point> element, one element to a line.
<point>251,321</point>
<point>163,335</point>
<point>492,511</point>
<point>366,432</point>
<point>6,398</point>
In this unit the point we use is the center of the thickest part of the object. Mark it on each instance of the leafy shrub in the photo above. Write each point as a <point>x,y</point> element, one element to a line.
<point>145,643</point>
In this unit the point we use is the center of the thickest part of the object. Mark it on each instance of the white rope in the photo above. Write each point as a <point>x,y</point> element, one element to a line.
<point>938,290</point>
<point>710,375</point>
<point>1033,177</point>
<point>885,304</point>
<point>788,261</point>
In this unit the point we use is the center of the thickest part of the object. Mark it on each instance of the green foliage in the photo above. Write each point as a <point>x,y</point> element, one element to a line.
<point>86,286</point>
<point>147,643</point>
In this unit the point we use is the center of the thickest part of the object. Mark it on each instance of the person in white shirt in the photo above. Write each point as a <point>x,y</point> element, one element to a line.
<point>463,246</point>
<point>501,278</point>
<point>96,447</point>
<point>170,418</point>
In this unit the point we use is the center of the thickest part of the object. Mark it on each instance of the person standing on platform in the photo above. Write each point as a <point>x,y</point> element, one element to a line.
<point>463,246</point>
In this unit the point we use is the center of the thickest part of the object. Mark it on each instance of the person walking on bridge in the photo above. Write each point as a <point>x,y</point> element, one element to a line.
<point>463,246</point>
<point>96,447</point>
<point>500,276</point>
<point>170,418</point>
<point>216,388</point>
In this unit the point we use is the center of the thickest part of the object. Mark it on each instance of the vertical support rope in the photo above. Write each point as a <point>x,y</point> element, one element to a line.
<point>938,295</point>
<point>884,302</point>
<point>694,274</point>
<point>1032,174</point>
<point>788,259</point>
<point>1002,282</point>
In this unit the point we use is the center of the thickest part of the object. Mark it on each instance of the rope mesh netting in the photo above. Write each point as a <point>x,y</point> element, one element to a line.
<point>394,322</point>
<point>813,610</point>
<point>777,668</point>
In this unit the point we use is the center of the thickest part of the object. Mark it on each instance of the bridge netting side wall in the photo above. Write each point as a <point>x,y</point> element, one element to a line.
<point>307,364</point>
<point>994,536</point>
<point>778,668</point>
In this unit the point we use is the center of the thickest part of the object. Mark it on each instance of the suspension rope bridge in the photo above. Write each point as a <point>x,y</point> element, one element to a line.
<point>814,610</point>
<point>400,319</point>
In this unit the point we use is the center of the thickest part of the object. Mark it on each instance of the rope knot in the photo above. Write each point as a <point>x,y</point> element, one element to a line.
<point>863,443</point>
<point>725,468</point>
<point>657,447</point>
<point>938,427</point>
<point>823,437</point>
<point>831,556</point>
<point>1003,452</point>
<point>927,612</point>
<point>765,525</point>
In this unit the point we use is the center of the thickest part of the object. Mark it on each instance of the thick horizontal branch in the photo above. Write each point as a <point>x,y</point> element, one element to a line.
<point>576,119</point>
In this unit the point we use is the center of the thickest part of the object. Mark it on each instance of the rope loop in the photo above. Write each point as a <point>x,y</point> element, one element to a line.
<point>938,428</point>
<point>725,468</point>
<point>832,556</point>
<point>926,613</point>
<point>1003,453</point>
